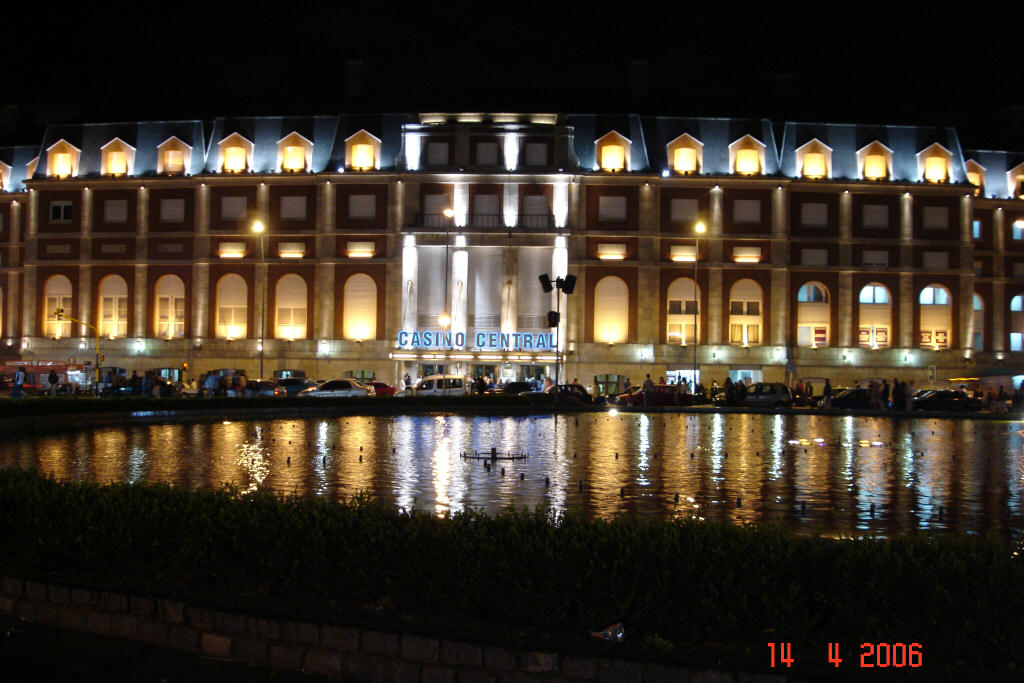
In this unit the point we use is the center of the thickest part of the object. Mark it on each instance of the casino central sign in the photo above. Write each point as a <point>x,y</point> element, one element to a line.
<point>482,341</point>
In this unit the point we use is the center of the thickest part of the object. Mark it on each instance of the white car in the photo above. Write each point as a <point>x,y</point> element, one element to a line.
<point>338,387</point>
<point>441,385</point>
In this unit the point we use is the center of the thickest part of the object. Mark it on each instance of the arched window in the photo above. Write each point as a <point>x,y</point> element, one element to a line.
<point>812,293</point>
<point>57,294</point>
<point>232,305</point>
<point>169,307</point>
<point>611,310</point>
<point>978,338</point>
<point>936,317</point>
<point>359,304</point>
<point>290,320</point>
<point>1017,323</point>
<point>813,317</point>
<point>113,307</point>
<point>874,325</point>
<point>683,312</point>
<point>745,306</point>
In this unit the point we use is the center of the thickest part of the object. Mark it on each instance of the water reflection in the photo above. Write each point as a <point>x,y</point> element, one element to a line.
<point>835,475</point>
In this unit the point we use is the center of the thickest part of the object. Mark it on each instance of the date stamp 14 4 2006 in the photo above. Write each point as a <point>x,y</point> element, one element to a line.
<point>872,655</point>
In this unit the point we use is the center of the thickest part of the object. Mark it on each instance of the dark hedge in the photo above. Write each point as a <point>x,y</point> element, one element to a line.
<point>680,586</point>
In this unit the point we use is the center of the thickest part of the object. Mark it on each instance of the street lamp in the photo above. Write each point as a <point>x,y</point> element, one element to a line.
<point>698,229</point>
<point>565,285</point>
<point>258,229</point>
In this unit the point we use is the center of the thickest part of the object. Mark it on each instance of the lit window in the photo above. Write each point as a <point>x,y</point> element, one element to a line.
<point>613,158</point>
<point>113,307</point>
<point>362,157</point>
<point>874,294</point>
<point>934,296</point>
<point>977,303</point>
<point>62,164</point>
<point>974,178</point>
<point>294,158</point>
<point>234,159</point>
<point>814,165</point>
<point>1017,304</point>
<point>935,169</point>
<point>976,229</point>
<point>748,161</point>
<point>170,307</point>
<point>290,296</point>
<point>174,161</point>
<point>361,249</point>
<point>811,294</point>
<point>611,252</point>
<point>875,167</point>
<point>1018,230</point>
<point>685,160</point>
<point>117,162</point>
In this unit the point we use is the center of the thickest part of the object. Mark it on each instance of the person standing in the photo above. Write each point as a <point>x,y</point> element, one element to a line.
<point>826,394</point>
<point>19,382</point>
<point>648,389</point>
<point>52,380</point>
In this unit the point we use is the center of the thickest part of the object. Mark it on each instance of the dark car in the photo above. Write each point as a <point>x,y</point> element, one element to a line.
<point>293,385</point>
<point>764,395</point>
<point>852,398</point>
<point>664,395</point>
<point>567,393</point>
<point>383,388</point>
<point>513,388</point>
<point>947,399</point>
<point>264,387</point>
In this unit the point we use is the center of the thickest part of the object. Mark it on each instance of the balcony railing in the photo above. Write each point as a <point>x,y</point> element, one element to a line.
<point>494,222</point>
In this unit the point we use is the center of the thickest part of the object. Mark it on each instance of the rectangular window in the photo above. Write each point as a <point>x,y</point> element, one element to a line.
<point>536,154</point>
<point>487,154</point>
<point>1018,269</point>
<point>487,211</point>
<point>976,229</point>
<point>170,317</point>
<point>437,153</point>
<point>753,308</point>
<point>172,210</point>
<point>814,257</point>
<point>293,208</point>
<point>804,335</point>
<point>977,341</point>
<point>813,215</point>
<point>675,332</point>
<point>1016,341</point>
<point>746,211</point>
<point>1018,230</point>
<point>753,334</point>
<point>735,334</point>
<point>537,211</point>
<point>363,207</point>
<point>736,308</point>
<point>875,216</point>
<point>60,212</point>
<point>170,248</point>
<point>53,249</point>
<point>691,307</point>
<point>116,248</point>
<point>675,307</point>
<point>611,208</point>
<point>875,258</point>
<point>684,210</point>
<point>115,210</point>
<point>936,260</point>
<point>935,218</point>
<point>233,207</point>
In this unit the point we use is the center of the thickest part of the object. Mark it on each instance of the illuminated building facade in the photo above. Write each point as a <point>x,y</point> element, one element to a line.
<point>397,244</point>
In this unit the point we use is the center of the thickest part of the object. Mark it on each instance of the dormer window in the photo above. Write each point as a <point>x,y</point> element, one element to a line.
<point>814,165</point>
<point>362,152</point>
<point>234,159</point>
<point>117,163</point>
<point>814,160</point>
<point>746,156</point>
<point>174,161</point>
<point>613,153</point>
<point>5,176</point>
<point>173,156</point>
<point>976,176</point>
<point>62,165</point>
<point>1014,184</point>
<point>686,153</point>
<point>875,167</point>
<point>934,164</point>
<point>294,159</point>
<point>236,154</point>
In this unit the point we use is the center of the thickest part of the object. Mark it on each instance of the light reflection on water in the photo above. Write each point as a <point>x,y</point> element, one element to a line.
<point>836,475</point>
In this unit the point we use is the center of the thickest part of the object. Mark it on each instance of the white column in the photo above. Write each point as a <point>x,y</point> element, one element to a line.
<point>410,275</point>
<point>559,269</point>
<point>460,286</point>
<point>510,204</point>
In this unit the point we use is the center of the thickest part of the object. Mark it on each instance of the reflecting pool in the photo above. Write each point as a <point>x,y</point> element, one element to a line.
<point>814,473</point>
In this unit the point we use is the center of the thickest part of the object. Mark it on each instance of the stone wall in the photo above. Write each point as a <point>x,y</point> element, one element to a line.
<point>341,652</point>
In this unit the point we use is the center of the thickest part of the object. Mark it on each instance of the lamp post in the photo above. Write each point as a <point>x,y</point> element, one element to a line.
<point>258,229</point>
<point>60,316</point>
<point>698,230</point>
<point>564,285</point>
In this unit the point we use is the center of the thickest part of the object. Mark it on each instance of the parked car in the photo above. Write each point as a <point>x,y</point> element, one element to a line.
<point>851,398</point>
<point>765,395</point>
<point>947,399</point>
<point>513,388</point>
<point>567,393</point>
<point>293,385</point>
<point>440,385</point>
<point>664,395</point>
<point>264,387</point>
<point>383,388</point>
<point>333,388</point>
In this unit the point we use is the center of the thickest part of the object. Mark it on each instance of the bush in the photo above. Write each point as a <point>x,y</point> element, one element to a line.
<point>678,585</point>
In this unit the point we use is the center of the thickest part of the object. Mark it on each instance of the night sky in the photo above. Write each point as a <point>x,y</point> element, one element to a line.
<point>867,63</point>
